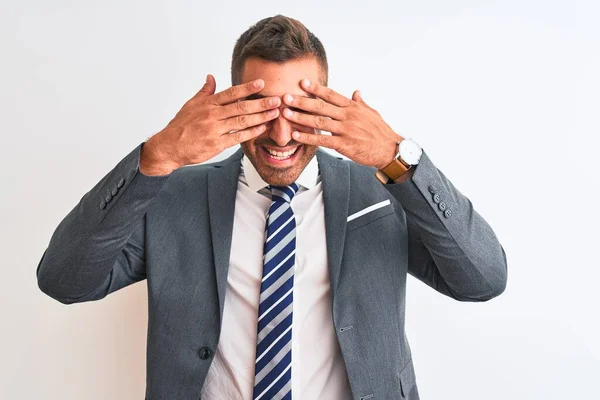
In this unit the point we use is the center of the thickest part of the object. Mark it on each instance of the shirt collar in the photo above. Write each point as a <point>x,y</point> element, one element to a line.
<point>309,177</point>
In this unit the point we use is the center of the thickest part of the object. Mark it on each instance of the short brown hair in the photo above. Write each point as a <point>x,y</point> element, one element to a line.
<point>278,39</point>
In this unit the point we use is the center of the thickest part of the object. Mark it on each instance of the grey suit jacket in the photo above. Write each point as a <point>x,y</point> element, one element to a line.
<point>175,232</point>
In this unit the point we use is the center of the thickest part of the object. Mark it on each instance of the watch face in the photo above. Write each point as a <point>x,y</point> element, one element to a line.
<point>410,152</point>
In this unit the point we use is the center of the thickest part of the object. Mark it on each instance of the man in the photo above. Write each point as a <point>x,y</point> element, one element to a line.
<point>275,274</point>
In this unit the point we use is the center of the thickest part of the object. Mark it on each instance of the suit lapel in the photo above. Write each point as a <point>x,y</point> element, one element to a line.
<point>222,189</point>
<point>335,175</point>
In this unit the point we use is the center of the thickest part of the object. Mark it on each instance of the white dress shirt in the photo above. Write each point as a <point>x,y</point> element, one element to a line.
<point>318,369</point>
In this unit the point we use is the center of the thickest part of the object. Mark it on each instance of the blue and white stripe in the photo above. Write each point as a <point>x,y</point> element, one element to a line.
<point>273,368</point>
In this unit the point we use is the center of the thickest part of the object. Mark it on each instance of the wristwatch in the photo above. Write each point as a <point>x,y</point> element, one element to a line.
<point>409,154</point>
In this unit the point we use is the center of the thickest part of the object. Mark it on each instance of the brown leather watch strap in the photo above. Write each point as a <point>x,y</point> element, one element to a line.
<point>392,171</point>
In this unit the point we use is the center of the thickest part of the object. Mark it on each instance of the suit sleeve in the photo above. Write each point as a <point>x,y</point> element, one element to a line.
<point>451,247</point>
<point>98,247</point>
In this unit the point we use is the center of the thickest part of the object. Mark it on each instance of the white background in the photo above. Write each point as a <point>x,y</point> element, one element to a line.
<point>503,95</point>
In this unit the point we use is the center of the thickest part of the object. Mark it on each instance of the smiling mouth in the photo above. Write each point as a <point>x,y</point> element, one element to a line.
<point>280,155</point>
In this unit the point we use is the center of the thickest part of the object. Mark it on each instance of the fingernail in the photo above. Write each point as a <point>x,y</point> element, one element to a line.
<point>257,83</point>
<point>287,112</point>
<point>207,78</point>
<point>296,135</point>
<point>305,82</point>
<point>288,98</point>
<point>274,101</point>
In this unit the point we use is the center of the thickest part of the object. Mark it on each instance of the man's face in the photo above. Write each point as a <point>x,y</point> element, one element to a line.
<point>277,157</point>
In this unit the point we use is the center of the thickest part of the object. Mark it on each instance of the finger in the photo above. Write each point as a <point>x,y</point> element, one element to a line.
<point>208,88</point>
<point>248,120</point>
<point>238,92</point>
<point>316,106</point>
<point>325,93</point>
<point>313,139</point>
<point>248,107</point>
<point>356,96</point>
<point>233,138</point>
<point>314,121</point>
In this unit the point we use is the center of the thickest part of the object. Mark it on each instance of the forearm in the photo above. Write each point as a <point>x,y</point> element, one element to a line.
<point>87,242</point>
<point>461,247</point>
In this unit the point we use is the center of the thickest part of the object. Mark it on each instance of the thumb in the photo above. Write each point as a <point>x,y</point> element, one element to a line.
<point>209,86</point>
<point>356,96</point>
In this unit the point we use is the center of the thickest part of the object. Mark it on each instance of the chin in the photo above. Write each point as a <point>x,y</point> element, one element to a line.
<point>279,181</point>
<point>278,176</point>
<point>276,172</point>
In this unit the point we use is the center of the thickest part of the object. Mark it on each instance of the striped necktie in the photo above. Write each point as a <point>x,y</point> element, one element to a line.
<point>273,367</point>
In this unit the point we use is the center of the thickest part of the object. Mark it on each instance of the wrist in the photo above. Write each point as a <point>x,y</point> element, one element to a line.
<point>154,161</point>
<point>391,154</point>
<point>400,168</point>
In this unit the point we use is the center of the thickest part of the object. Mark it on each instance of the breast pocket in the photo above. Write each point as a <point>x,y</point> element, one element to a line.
<point>369,214</point>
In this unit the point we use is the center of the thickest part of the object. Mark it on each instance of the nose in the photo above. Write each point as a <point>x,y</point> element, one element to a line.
<point>281,130</point>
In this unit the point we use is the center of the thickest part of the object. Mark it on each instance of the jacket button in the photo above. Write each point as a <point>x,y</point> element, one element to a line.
<point>205,353</point>
<point>108,197</point>
<point>431,189</point>
<point>102,205</point>
<point>120,182</point>
<point>448,213</point>
<point>442,206</point>
<point>114,190</point>
<point>436,198</point>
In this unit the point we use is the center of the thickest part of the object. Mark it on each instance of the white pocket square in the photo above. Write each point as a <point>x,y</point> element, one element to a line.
<point>369,209</point>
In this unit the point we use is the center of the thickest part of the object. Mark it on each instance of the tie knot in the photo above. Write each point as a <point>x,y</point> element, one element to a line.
<point>283,193</point>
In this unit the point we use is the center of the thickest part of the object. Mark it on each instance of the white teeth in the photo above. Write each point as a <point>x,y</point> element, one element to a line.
<point>281,155</point>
